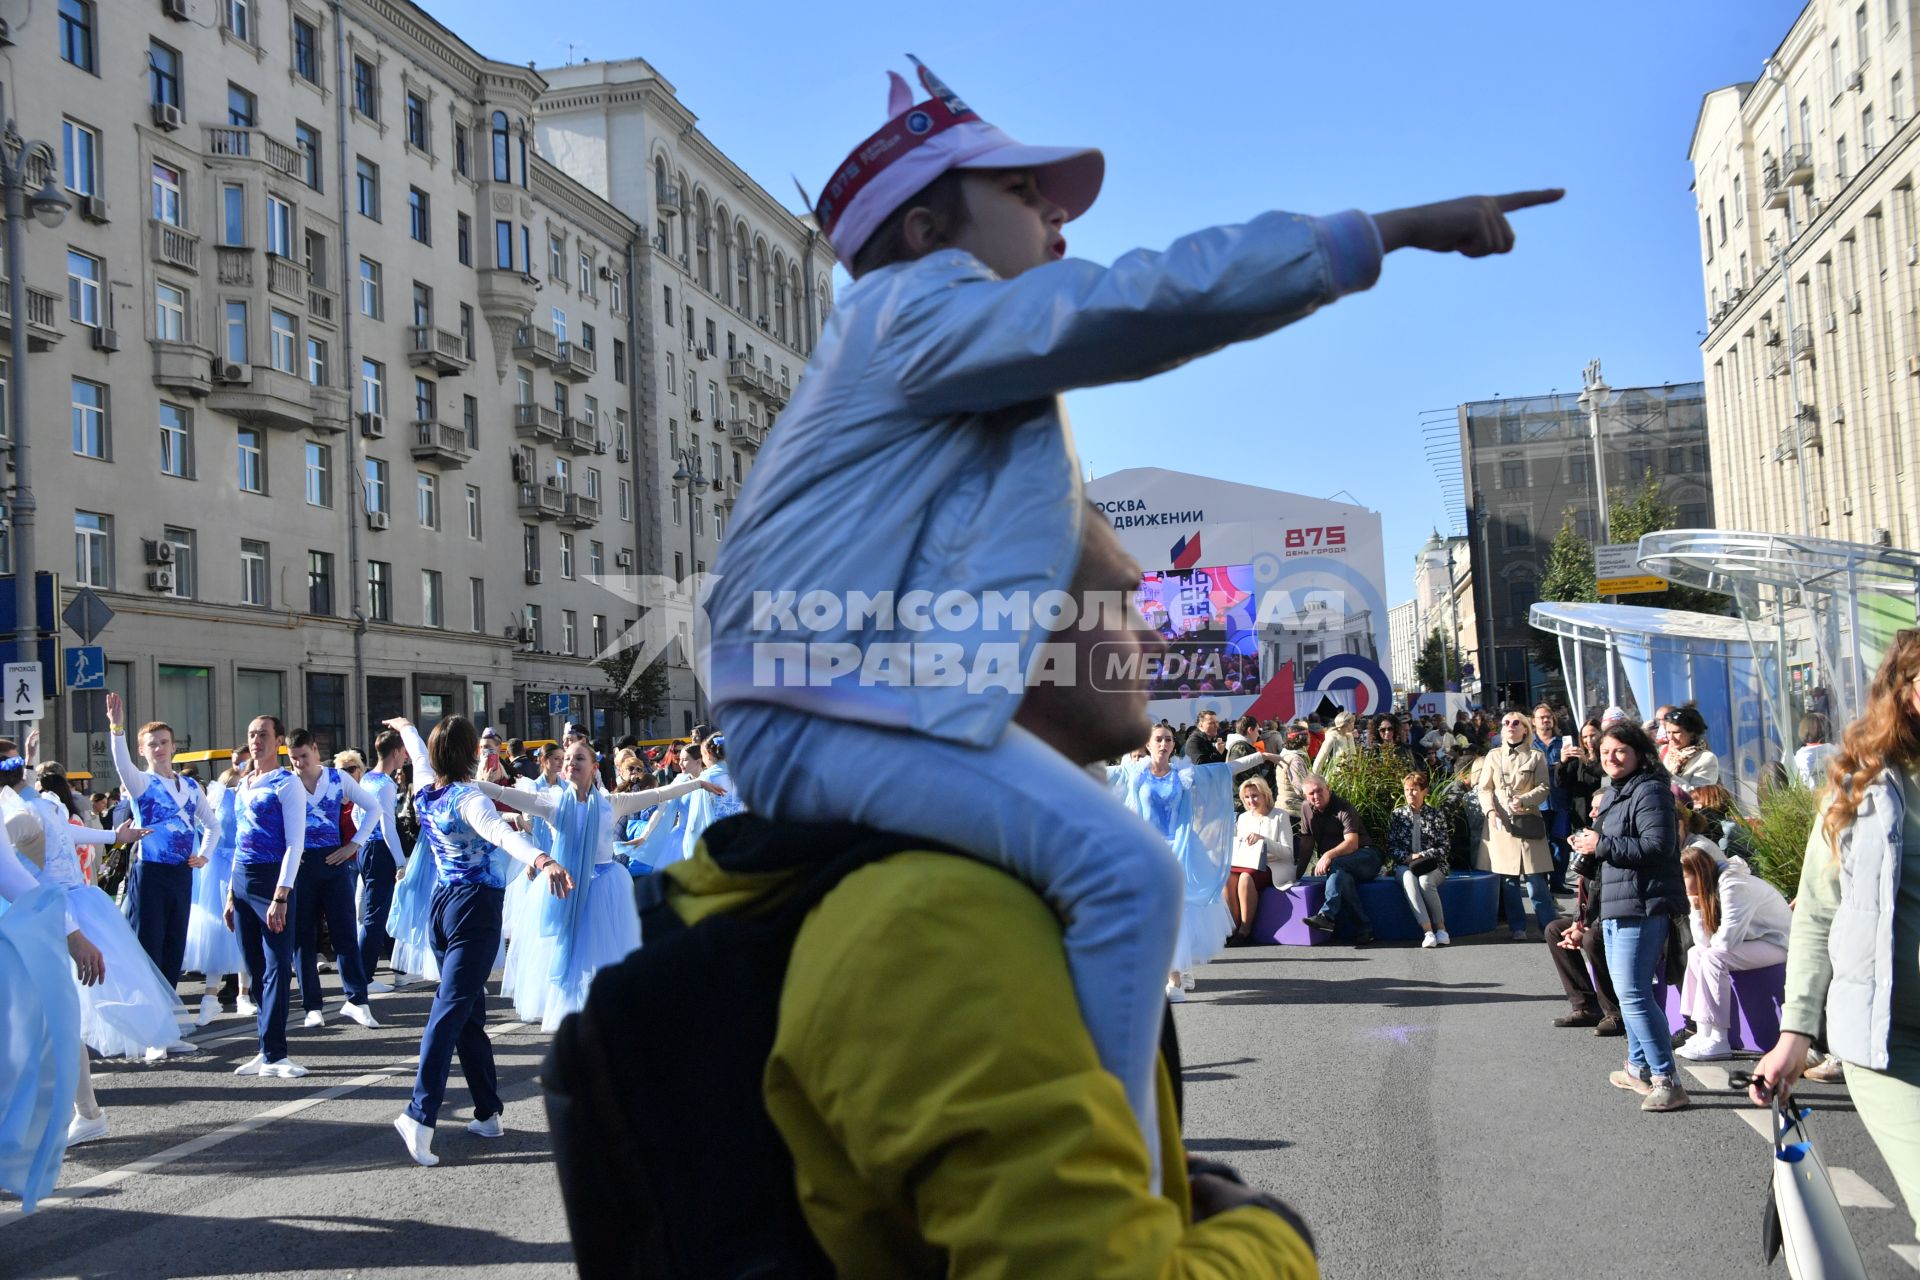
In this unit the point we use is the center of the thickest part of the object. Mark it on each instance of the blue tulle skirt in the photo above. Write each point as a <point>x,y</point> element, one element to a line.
<point>212,948</point>
<point>519,894</point>
<point>609,932</point>
<point>39,1043</point>
<point>409,920</point>
<point>134,1008</point>
<point>1204,927</point>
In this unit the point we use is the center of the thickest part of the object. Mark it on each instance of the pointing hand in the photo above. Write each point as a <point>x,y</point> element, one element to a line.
<point>1473,226</point>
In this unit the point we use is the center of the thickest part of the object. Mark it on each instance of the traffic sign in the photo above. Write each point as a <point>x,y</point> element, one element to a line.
<point>1617,572</point>
<point>1640,584</point>
<point>21,681</point>
<point>557,703</point>
<point>86,668</point>
<point>87,614</point>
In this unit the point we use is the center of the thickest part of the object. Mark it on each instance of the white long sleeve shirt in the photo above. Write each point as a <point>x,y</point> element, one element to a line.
<point>545,805</point>
<point>382,824</point>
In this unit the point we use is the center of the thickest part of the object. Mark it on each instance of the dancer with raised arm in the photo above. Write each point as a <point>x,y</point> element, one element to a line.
<point>325,885</point>
<point>474,848</point>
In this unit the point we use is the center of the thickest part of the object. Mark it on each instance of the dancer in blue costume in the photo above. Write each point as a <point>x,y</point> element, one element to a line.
<point>383,859</point>
<point>1191,807</point>
<point>700,810</point>
<point>475,848</point>
<point>41,1103</point>
<point>520,891</point>
<point>561,947</point>
<point>212,948</point>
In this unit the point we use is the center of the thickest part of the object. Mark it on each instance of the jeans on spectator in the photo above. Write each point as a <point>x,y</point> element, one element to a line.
<point>1536,887</point>
<point>1423,895</point>
<point>1344,876</point>
<point>1634,946</point>
<point>1583,972</point>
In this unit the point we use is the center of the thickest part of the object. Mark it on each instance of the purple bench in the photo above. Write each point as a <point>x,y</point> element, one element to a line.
<point>1470,899</point>
<point>1757,995</point>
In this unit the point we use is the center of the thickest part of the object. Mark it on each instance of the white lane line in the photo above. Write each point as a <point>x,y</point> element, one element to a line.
<point>1710,1077</point>
<point>1761,1122</point>
<point>226,1133</point>
<point>1907,1253</point>
<point>1854,1191</point>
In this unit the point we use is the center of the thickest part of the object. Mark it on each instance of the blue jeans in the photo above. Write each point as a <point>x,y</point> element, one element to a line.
<point>1634,947</point>
<point>1345,875</point>
<point>376,901</point>
<point>324,890</point>
<point>465,929</point>
<point>269,954</point>
<point>1536,887</point>
<point>159,899</point>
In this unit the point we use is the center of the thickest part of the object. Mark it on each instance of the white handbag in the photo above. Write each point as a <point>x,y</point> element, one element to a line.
<point>1804,1220</point>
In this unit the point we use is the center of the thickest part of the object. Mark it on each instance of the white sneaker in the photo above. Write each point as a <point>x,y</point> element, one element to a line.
<point>488,1128</point>
<point>419,1140</point>
<point>1176,993</point>
<point>254,1066</point>
<point>209,1010</point>
<point>81,1129</point>
<point>156,1054</point>
<point>1429,942</point>
<point>1441,939</point>
<point>1706,1046</point>
<point>1187,982</point>
<point>245,1007</point>
<point>285,1069</point>
<point>315,1018</point>
<point>360,1014</point>
<point>378,988</point>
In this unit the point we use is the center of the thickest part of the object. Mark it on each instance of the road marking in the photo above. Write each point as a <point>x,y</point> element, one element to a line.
<point>1908,1253</point>
<point>1715,1078</point>
<point>226,1133</point>
<point>1761,1122</point>
<point>1854,1191</point>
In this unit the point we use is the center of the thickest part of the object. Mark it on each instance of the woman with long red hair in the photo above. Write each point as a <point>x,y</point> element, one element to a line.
<point>1854,954</point>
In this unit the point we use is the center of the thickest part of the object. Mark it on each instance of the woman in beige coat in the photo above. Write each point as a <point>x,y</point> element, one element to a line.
<point>1512,783</point>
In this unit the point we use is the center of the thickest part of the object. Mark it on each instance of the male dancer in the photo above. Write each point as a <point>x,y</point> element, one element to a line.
<point>272,807</point>
<point>383,857</point>
<point>324,884</point>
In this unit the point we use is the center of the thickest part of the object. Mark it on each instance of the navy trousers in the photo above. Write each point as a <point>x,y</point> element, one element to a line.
<point>376,900</point>
<point>159,896</point>
<point>465,931</point>
<point>324,890</point>
<point>269,955</point>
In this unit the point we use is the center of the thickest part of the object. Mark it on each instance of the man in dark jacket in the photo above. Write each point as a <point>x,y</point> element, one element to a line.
<point>1576,944</point>
<point>1203,744</point>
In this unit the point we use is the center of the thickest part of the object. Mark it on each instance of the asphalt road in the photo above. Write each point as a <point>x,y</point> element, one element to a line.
<point>1417,1107</point>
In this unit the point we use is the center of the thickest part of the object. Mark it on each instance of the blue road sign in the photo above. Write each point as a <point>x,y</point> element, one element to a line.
<point>557,703</point>
<point>86,667</point>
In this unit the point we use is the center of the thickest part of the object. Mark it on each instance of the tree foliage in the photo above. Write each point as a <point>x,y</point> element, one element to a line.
<point>646,697</point>
<point>1438,663</point>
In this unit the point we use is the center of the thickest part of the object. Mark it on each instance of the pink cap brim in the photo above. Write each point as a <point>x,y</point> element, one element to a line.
<point>1068,176</point>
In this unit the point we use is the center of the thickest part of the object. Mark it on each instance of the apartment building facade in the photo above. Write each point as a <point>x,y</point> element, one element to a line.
<point>1810,257</point>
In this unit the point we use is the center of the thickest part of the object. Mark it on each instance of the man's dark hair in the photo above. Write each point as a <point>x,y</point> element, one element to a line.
<point>515,746</point>
<point>625,740</point>
<point>943,198</point>
<point>386,742</point>
<point>302,738</point>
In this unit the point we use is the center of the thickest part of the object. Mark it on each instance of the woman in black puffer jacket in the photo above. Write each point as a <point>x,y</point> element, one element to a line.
<point>1636,841</point>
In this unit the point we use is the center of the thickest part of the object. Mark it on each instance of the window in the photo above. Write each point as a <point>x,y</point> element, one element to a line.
<point>80,157</point>
<point>169,312</point>
<point>530,547</point>
<point>626,500</point>
<point>477,603</point>
<point>1860,35</point>
<point>163,75</point>
<point>1577,472</point>
<point>1518,534</point>
<point>586,275</point>
<point>376,485</point>
<point>234,330</point>
<point>283,342</point>
<point>1521,593</point>
<point>93,549</point>
<point>620,362</point>
<point>89,418</point>
<point>535,624</point>
<point>669,293</point>
<point>596,558</point>
<point>422,303</point>
<point>1840,157</point>
<point>559,325</point>
<point>557,257</point>
<point>76,33</point>
<point>599,633</point>
<point>317,362</point>
<point>473,512</point>
<point>306,140</point>
<point>462,163</point>
<point>253,572</point>
<point>242,107</point>
<point>233,214</point>
<point>186,573</point>
<point>306,51</point>
<point>83,288</point>
<point>417,122</point>
<point>371,303</point>
<point>569,628</point>
<point>587,336</point>
<point>673,385</point>
<point>593,483</point>
<point>251,460</point>
<point>503,245</point>
<point>463,238</point>
<point>380,591</point>
<point>279,227</point>
<point>320,582</point>
<point>238,19</point>
<point>367,187</point>
<point>418,216</point>
<point>566,556</point>
<point>427,499</point>
<point>614,299</point>
<point>502,159</point>
<point>1866,134</point>
<point>176,441</point>
<point>432,611</point>
<point>366,89</point>
<point>1896,99</point>
<point>319,475</point>
<point>466,330</point>
<point>1513,475</point>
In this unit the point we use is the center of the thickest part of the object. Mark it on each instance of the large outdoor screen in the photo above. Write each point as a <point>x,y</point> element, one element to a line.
<point>1207,617</point>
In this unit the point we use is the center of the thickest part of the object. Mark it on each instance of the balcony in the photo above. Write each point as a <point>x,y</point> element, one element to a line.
<point>182,367</point>
<point>743,373</point>
<point>286,278</point>
<point>537,345</point>
<point>505,292</point>
<point>265,397</point>
<point>438,349</point>
<point>579,435</point>
<point>1803,342</point>
<point>173,246</point>
<point>537,422</point>
<point>575,362</point>
<point>545,501</point>
<point>746,432</point>
<point>1801,434</point>
<point>231,142</point>
<point>332,409</point>
<point>1796,166</point>
<point>44,309</point>
<point>581,511</point>
<point>321,304</point>
<point>440,442</point>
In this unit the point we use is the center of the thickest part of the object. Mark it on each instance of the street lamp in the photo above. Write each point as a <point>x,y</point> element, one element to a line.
<point>20,159</point>
<point>690,476</point>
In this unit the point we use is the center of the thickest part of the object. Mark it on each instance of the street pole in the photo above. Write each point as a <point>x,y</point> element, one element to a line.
<point>1593,397</point>
<point>690,477</point>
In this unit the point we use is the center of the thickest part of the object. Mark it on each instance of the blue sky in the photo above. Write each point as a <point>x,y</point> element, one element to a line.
<point>1261,106</point>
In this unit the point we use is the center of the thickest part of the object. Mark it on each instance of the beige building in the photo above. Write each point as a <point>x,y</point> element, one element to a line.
<point>736,288</point>
<point>1403,644</point>
<point>359,386</point>
<point>1811,260</point>
<point>1443,599</point>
